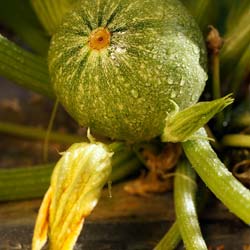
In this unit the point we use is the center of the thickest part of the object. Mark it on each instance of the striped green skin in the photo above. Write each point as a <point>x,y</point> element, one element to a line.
<point>125,91</point>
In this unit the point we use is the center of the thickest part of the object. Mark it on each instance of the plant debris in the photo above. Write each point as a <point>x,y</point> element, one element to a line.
<point>160,167</point>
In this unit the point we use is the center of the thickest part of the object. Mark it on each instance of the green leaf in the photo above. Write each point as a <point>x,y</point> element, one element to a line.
<point>51,12</point>
<point>20,18</point>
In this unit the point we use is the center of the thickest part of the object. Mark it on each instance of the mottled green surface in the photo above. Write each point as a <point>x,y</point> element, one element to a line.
<point>124,91</point>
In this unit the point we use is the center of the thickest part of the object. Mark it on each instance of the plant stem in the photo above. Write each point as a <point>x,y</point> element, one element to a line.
<point>38,133</point>
<point>20,18</point>
<point>32,182</point>
<point>171,239</point>
<point>48,132</point>
<point>24,68</point>
<point>184,195</point>
<point>236,140</point>
<point>25,182</point>
<point>125,169</point>
<point>216,76</point>
<point>217,177</point>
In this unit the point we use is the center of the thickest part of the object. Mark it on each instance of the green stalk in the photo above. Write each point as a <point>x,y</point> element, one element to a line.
<point>21,19</point>
<point>25,182</point>
<point>24,68</point>
<point>171,239</point>
<point>51,12</point>
<point>217,84</point>
<point>48,131</point>
<point>236,140</point>
<point>185,188</point>
<point>217,177</point>
<point>125,169</point>
<point>37,133</point>
<point>32,182</point>
<point>216,76</point>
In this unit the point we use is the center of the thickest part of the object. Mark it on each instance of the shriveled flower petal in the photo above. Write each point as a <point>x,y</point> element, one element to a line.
<point>75,188</point>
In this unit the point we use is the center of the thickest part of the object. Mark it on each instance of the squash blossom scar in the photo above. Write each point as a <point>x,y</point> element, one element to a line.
<point>99,39</point>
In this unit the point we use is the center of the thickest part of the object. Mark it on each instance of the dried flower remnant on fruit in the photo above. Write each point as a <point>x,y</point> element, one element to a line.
<point>99,39</point>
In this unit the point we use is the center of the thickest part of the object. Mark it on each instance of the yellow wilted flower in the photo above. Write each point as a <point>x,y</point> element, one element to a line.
<point>75,188</point>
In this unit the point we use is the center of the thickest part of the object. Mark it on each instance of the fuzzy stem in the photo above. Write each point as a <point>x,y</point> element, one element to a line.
<point>38,133</point>
<point>236,140</point>
<point>24,68</point>
<point>185,208</point>
<point>217,177</point>
<point>171,239</point>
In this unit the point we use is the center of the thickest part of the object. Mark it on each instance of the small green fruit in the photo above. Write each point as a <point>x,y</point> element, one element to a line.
<point>117,66</point>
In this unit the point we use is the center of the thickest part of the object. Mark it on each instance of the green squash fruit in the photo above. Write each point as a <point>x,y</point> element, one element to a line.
<point>121,66</point>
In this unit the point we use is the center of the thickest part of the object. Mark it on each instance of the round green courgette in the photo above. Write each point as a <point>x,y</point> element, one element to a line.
<point>120,66</point>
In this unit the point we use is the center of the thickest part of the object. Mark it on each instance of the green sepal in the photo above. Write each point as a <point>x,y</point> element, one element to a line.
<point>180,126</point>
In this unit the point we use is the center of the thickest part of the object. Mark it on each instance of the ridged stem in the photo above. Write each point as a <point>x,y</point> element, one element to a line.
<point>32,182</point>
<point>185,188</point>
<point>25,182</point>
<point>171,239</point>
<point>217,177</point>
<point>37,133</point>
<point>236,140</point>
<point>24,68</point>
